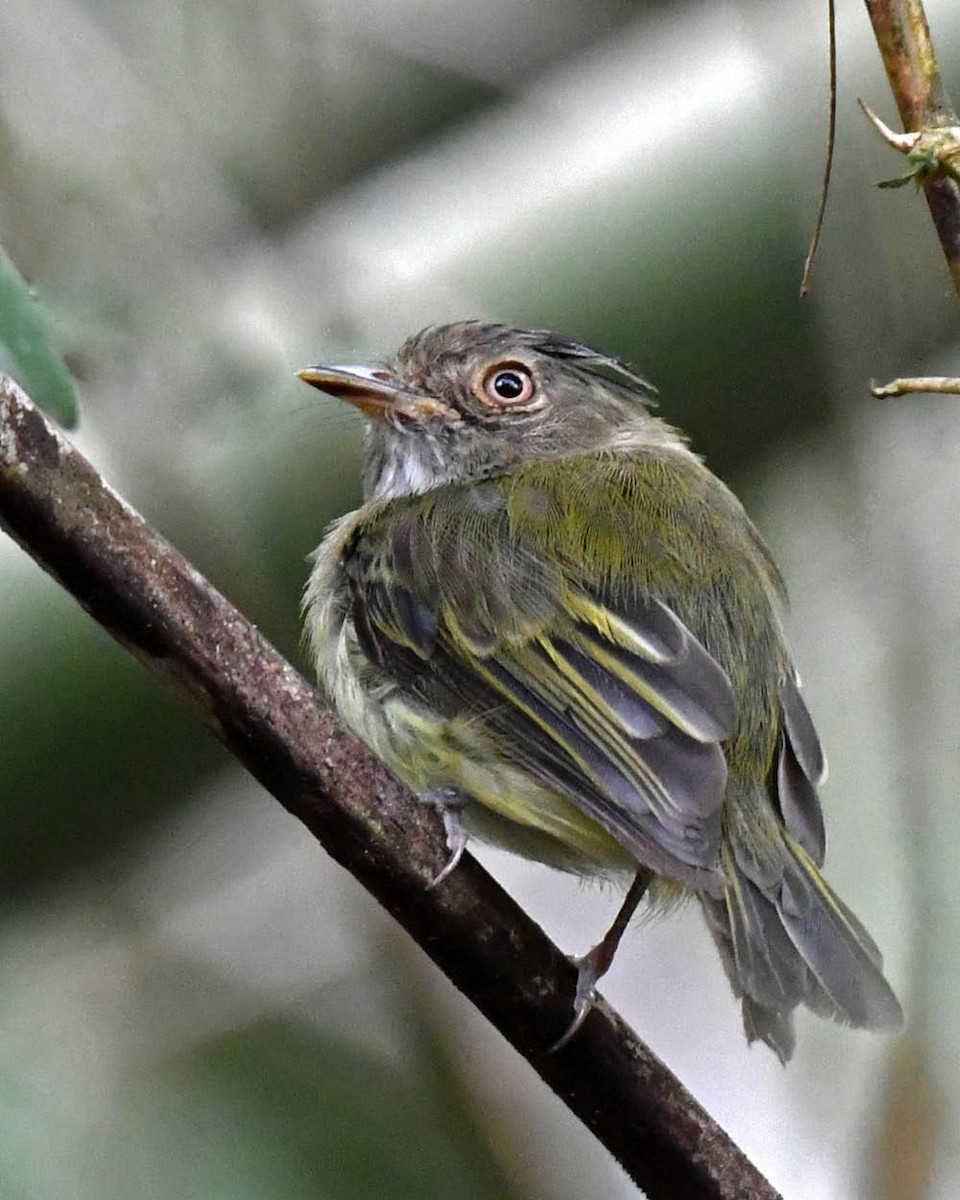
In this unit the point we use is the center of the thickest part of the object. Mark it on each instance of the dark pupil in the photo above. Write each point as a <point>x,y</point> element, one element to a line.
<point>508,385</point>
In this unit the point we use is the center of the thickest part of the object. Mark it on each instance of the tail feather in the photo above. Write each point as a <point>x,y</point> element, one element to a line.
<point>763,952</point>
<point>771,1026</point>
<point>795,942</point>
<point>845,962</point>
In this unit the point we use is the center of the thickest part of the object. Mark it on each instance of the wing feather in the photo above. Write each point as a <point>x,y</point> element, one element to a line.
<point>585,771</point>
<point>593,682</point>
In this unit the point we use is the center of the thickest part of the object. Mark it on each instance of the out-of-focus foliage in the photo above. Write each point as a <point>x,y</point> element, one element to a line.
<point>207,197</point>
<point>27,349</point>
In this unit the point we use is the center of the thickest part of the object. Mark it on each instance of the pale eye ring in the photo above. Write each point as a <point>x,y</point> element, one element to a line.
<point>508,384</point>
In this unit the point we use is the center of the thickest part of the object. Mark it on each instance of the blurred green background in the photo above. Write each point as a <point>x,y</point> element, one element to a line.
<point>205,196</point>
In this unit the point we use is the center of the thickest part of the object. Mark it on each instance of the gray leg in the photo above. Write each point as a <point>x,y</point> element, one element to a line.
<point>596,962</point>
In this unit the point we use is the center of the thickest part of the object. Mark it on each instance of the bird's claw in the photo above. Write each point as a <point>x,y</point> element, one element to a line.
<point>593,965</point>
<point>590,967</point>
<point>449,803</point>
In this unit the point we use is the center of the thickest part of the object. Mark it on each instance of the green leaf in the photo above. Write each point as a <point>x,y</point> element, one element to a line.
<point>28,349</point>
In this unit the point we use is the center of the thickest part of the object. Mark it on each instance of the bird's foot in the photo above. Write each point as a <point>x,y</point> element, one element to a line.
<point>593,965</point>
<point>449,803</point>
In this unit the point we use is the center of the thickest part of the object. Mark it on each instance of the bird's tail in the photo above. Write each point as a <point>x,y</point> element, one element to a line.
<point>786,939</point>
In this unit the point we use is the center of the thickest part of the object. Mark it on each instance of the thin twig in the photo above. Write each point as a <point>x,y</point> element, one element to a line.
<point>903,36</point>
<point>807,279</point>
<point>156,604</point>
<point>938,385</point>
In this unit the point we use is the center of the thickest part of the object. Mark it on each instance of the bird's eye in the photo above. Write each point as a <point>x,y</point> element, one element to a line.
<point>508,384</point>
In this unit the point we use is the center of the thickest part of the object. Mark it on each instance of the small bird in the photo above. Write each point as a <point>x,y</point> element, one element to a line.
<point>556,625</point>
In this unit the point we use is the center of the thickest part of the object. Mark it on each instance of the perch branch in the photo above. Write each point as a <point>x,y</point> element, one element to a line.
<point>160,608</point>
<point>903,36</point>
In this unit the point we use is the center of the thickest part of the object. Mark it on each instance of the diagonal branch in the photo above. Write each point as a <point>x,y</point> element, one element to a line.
<point>156,604</point>
<point>903,36</point>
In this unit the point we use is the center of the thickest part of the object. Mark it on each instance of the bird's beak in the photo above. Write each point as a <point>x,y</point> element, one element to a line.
<point>375,392</point>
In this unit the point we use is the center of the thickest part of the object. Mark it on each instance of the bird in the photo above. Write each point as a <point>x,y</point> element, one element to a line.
<point>556,625</point>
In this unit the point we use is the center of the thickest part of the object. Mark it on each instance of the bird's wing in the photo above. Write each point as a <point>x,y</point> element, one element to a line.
<point>589,681</point>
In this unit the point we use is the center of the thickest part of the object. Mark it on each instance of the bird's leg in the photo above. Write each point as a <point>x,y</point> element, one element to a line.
<point>449,803</point>
<point>593,965</point>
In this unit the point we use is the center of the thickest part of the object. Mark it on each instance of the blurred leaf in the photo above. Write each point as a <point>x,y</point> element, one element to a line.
<point>28,350</point>
<point>92,746</point>
<point>276,1110</point>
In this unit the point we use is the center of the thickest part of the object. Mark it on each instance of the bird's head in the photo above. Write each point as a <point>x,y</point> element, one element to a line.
<point>469,400</point>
